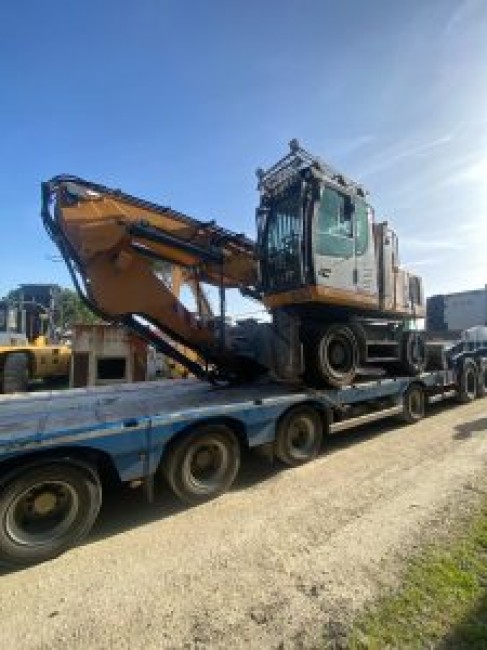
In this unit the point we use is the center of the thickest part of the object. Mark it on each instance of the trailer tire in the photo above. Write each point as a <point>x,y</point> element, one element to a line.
<point>481,379</point>
<point>15,377</point>
<point>299,436</point>
<point>413,404</point>
<point>202,465</point>
<point>45,510</point>
<point>467,382</point>
<point>332,356</point>
<point>413,353</point>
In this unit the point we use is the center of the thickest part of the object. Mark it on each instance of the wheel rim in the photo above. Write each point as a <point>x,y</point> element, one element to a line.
<point>470,382</point>
<point>301,436</point>
<point>337,355</point>
<point>205,465</point>
<point>42,513</point>
<point>416,350</point>
<point>415,403</point>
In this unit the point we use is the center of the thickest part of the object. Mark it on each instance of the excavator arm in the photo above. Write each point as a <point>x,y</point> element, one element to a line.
<point>112,244</point>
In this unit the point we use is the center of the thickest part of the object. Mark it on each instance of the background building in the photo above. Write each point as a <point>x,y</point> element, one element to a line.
<point>454,312</point>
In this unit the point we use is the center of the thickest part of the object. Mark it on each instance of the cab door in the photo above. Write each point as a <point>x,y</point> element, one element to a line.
<point>334,244</point>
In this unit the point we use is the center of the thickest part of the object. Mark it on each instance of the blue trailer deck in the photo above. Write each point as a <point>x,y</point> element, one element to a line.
<point>55,446</point>
<point>134,422</point>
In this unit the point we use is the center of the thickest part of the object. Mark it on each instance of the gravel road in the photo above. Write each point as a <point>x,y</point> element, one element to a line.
<point>268,565</point>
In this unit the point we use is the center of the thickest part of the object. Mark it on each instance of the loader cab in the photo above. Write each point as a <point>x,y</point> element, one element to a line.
<point>316,231</point>
<point>12,324</point>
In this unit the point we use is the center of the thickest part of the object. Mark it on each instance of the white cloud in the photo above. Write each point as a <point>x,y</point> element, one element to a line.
<point>413,264</point>
<point>429,243</point>
<point>463,10</point>
<point>472,173</point>
<point>406,149</point>
<point>347,147</point>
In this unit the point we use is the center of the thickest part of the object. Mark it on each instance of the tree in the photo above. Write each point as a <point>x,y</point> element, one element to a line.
<point>71,310</point>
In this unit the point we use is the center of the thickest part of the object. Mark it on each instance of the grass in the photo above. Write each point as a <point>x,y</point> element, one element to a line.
<point>441,602</point>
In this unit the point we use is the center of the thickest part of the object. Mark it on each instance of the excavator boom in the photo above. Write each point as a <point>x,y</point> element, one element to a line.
<point>112,242</point>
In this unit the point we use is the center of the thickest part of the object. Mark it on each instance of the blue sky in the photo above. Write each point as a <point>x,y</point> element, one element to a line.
<point>181,101</point>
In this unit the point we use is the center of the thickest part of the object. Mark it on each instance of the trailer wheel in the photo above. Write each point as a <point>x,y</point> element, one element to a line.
<point>467,382</point>
<point>413,404</point>
<point>299,436</point>
<point>15,373</point>
<point>481,380</point>
<point>332,356</point>
<point>45,510</point>
<point>202,465</point>
<point>413,353</point>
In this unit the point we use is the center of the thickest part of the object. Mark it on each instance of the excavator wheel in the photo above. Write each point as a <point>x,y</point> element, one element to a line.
<point>15,374</point>
<point>332,356</point>
<point>413,353</point>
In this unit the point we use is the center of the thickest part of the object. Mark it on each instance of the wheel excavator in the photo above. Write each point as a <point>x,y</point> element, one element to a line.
<point>341,307</point>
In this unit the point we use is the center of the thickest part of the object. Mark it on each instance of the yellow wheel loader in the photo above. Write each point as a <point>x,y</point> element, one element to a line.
<point>23,361</point>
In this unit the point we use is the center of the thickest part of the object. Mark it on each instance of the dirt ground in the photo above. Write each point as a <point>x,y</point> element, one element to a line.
<point>271,564</point>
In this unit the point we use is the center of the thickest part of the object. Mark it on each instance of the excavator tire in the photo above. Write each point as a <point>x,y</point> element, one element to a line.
<point>413,353</point>
<point>15,374</point>
<point>332,356</point>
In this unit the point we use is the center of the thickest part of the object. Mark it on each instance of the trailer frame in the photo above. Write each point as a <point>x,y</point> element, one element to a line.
<point>71,441</point>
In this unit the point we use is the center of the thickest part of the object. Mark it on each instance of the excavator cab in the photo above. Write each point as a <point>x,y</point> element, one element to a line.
<point>315,231</point>
<point>318,244</point>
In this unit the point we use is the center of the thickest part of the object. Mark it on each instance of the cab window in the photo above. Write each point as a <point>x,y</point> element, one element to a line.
<point>334,225</point>
<point>361,215</point>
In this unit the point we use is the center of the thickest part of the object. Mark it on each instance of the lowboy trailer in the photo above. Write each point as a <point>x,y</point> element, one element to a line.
<point>57,447</point>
